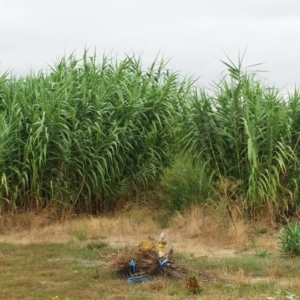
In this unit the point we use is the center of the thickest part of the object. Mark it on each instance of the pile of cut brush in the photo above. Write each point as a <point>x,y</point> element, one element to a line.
<point>150,258</point>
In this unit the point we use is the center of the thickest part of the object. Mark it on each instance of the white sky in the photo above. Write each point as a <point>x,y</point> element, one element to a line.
<point>192,33</point>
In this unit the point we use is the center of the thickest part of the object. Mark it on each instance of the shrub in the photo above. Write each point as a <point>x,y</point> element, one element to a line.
<point>180,185</point>
<point>290,239</point>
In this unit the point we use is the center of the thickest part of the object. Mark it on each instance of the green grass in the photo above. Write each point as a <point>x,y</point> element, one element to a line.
<point>76,271</point>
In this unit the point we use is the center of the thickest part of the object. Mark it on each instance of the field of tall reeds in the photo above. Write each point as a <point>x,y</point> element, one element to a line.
<point>244,135</point>
<point>87,133</point>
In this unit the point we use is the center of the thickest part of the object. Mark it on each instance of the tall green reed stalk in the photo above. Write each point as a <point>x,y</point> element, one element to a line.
<point>85,133</point>
<point>245,130</point>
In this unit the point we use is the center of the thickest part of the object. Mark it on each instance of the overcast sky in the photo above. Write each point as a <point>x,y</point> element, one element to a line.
<point>194,34</point>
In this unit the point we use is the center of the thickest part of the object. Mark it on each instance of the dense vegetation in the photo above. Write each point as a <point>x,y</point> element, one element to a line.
<point>246,136</point>
<point>85,134</point>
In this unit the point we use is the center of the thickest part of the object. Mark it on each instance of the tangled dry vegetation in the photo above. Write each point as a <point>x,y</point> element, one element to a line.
<point>152,259</point>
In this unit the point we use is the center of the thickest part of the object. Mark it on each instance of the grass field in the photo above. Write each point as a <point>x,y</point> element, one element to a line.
<point>76,271</point>
<point>65,260</point>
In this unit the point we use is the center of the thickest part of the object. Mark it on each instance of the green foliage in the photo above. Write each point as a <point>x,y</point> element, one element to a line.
<point>290,239</point>
<point>262,253</point>
<point>246,131</point>
<point>85,133</point>
<point>183,185</point>
<point>259,230</point>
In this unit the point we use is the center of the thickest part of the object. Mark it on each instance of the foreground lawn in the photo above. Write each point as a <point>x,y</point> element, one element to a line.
<point>75,270</point>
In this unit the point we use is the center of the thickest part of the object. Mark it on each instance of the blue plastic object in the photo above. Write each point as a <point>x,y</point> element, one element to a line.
<point>161,265</point>
<point>138,279</point>
<point>132,266</point>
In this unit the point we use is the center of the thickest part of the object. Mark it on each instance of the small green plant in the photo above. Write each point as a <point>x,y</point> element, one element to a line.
<point>258,230</point>
<point>290,239</point>
<point>262,253</point>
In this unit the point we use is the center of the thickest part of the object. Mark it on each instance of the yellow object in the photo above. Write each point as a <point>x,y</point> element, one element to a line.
<point>152,245</point>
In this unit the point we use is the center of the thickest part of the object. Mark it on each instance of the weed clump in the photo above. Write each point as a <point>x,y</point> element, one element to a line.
<point>290,239</point>
<point>193,286</point>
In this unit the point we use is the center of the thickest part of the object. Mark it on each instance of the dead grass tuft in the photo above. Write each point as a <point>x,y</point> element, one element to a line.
<point>194,222</point>
<point>198,231</point>
<point>32,220</point>
<point>156,285</point>
<point>119,262</point>
<point>240,275</point>
<point>238,234</point>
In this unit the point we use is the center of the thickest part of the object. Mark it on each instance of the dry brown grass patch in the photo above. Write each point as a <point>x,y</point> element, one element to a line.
<point>195,222</point>
<point>198,231</point>
<point>156,285</point>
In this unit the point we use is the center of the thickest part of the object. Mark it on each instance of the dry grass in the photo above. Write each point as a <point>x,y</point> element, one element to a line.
<point>157,284</point>
<point>195,231</point>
